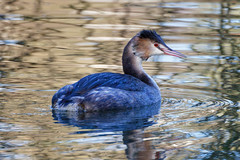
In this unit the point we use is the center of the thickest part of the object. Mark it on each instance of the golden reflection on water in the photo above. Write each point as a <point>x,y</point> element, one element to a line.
<point>47,44</point>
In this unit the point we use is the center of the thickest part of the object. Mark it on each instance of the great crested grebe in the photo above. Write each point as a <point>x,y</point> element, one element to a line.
<point>108,91</point>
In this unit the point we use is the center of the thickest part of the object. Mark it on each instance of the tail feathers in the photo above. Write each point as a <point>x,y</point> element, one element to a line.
<point>77,99</point>
<point>69,104</point>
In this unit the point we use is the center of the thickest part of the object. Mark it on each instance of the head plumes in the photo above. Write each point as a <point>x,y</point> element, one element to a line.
<point>148,42</point>
<point>150,34</point>
<point>153,36</point>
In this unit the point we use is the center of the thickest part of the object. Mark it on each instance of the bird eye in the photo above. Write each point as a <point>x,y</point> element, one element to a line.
<point>156,45</point>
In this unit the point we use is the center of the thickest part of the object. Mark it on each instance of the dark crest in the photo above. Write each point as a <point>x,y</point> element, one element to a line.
<point>153,36</point>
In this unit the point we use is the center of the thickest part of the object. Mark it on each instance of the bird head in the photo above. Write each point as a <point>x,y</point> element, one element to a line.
<point>148,42</point>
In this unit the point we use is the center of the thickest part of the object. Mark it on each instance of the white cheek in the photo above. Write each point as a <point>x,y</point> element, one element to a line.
<point>155,50</point>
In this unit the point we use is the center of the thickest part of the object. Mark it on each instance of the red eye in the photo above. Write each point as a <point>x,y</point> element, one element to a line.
<point>156,45</point>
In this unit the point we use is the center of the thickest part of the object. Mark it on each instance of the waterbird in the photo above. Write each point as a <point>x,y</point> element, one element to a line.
<point>110,91</point>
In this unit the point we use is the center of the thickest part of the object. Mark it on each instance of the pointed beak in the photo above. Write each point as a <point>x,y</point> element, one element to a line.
<point>167,50</point>
<point>171,52</point>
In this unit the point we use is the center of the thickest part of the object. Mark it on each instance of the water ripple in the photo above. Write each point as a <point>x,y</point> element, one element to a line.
<point>11,42</point>
<point>173,102</point>
<point>11,17</point>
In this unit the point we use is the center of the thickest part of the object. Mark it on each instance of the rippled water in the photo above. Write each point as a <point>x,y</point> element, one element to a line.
<point>45,45</point>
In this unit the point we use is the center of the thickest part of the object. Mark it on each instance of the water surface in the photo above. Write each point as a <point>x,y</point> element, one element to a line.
<point>45,45</point>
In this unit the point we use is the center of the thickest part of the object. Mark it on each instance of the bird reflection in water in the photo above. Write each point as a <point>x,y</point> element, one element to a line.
<point>131,122</point>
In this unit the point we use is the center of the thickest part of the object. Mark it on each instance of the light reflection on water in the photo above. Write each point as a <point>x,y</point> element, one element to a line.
<point>45,45</point>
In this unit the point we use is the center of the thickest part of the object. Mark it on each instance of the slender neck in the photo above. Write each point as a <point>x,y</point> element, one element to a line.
<point>132,65</point>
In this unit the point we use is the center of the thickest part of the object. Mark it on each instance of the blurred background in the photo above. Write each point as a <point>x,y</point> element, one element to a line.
<point>46,44</point>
